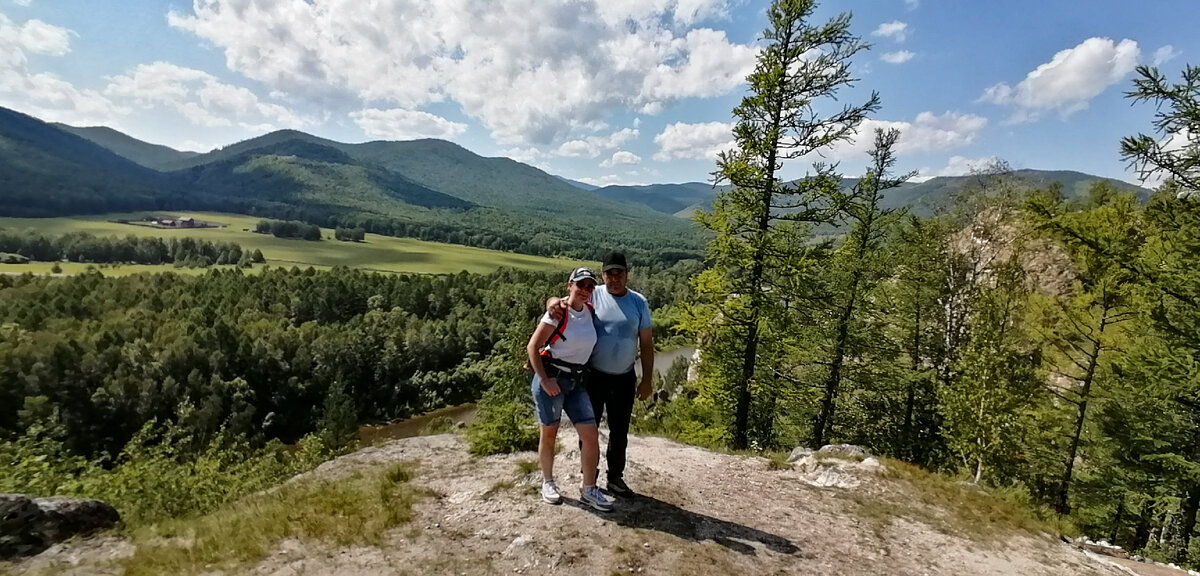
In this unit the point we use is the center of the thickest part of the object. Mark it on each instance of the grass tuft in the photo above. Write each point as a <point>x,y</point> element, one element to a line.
<point>359,509</point>
<point>778,461</point>
<point>497,488</point>
<point>526,467</point>
<point>986,515</point>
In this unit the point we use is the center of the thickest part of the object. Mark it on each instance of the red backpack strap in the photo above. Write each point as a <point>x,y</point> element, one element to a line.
<point>557,334</point>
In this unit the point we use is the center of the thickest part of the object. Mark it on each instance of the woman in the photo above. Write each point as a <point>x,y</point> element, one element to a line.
<point>557,352</point>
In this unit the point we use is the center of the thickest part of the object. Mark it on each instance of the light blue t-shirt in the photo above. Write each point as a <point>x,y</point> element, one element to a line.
<point>618,321</point>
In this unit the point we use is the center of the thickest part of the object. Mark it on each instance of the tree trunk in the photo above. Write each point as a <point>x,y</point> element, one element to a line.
<point>1063,505</point>
<point>1185,522</point>
<point>1117,519</point>
<point>1141,532</point>
<point>825,418</point>
<point>741,433</point>
<point>910,397</point>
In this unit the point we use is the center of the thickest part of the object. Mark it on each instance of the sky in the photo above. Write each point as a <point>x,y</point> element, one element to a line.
<point>600,91</point>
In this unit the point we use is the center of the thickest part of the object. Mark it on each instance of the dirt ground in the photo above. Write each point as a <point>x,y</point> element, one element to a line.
<point>698,512</point>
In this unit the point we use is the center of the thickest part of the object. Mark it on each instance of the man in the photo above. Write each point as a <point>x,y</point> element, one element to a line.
<point>622,330</point>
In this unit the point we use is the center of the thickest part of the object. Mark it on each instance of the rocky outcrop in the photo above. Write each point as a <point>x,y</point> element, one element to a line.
<point>30,525</point>
<point>834,465</point>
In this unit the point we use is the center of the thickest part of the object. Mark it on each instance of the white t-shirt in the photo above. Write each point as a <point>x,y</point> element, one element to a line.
<point>578,339</point>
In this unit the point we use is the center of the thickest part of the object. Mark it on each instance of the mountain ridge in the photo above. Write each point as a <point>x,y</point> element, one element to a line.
<point>426,189</point>
<point>920,197</point>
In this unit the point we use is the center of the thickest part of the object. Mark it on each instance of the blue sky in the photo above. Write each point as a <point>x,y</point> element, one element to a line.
<point>603,91</point>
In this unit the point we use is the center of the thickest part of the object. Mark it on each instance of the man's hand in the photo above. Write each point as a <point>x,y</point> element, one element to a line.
<point>555,307</point>
<point>645,388</point>
<point>550,385</point>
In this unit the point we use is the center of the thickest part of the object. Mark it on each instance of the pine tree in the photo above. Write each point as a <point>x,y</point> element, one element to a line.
<point>1081,328</point>
<point>763,247</point>
<point>858,266</point>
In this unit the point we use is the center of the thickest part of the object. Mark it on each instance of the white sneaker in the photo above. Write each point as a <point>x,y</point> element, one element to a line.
<point>592,496</point>
<point>550,492</point>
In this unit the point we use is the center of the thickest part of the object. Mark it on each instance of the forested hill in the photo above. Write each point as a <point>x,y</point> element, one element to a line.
<point>448,168</point>
<point>149,155</point>
<point>427,189</point>
<point>920,197</point>
<point>45,171</point>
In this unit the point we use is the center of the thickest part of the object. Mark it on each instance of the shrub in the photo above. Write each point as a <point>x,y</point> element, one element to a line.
<point>502,429</point>
<point>688,420</point>
<point>154,478</point>
<point>439,425</point>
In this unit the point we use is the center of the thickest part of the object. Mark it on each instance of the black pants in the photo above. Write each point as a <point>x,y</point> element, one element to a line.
<point>616,392</point>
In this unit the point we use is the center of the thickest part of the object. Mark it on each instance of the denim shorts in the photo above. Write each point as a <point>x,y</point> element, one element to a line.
<point>572,398</point>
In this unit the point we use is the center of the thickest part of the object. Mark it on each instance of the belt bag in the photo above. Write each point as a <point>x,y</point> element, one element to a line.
<point>554,368</point>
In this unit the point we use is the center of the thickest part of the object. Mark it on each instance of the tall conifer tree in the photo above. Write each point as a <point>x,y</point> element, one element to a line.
<point>762,224</point>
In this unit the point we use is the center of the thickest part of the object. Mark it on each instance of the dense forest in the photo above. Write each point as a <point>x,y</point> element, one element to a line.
<point>84,247</point>
<point>90,363</point>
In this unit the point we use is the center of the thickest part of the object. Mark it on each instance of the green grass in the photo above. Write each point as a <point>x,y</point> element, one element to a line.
<point>377,253</point>
<point>72,268</point>
<point>358,510</point>
<point>778,461</point>
<point>498,487</point>
<point>526,467</point>
<point>984,515</point>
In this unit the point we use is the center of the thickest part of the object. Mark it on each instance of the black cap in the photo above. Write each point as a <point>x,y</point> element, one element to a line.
<point>614,261</point>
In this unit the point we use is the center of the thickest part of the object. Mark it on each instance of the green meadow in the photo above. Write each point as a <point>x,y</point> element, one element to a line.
<point>376,253</point>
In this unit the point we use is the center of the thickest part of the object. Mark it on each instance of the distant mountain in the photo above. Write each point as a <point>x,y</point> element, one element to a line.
<point>448,168</point>
<point>682,200</point>
<point>578,184</point>
<point>925,197</point>
<point>149,155</point>
<point>428,189</point>
<point>45,171</point>
<point>665,198</point>
<point>299,172</point>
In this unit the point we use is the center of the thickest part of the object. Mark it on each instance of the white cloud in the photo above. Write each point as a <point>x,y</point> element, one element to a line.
<point>524,155</point>
<point>928,132</point>
<point>912,4</point>
<point>400,124</point>
<point>895,30</point>
<point>898,57</point>
<point>1069,81</point>
<point>593,146</point>
<point>621,157</point>
<point>45,96</point>
<point>693,141</point>
<point>611,180</point>
<point>199,97</point>
<point>38,37</point>
<point>1165,54</point>
<point>22,2</point>
<point>959,166</point>
<point>532,72</point>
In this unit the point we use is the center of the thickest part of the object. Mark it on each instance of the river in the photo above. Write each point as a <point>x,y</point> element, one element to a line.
<point>664,358</point>
<point>368,435</point>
